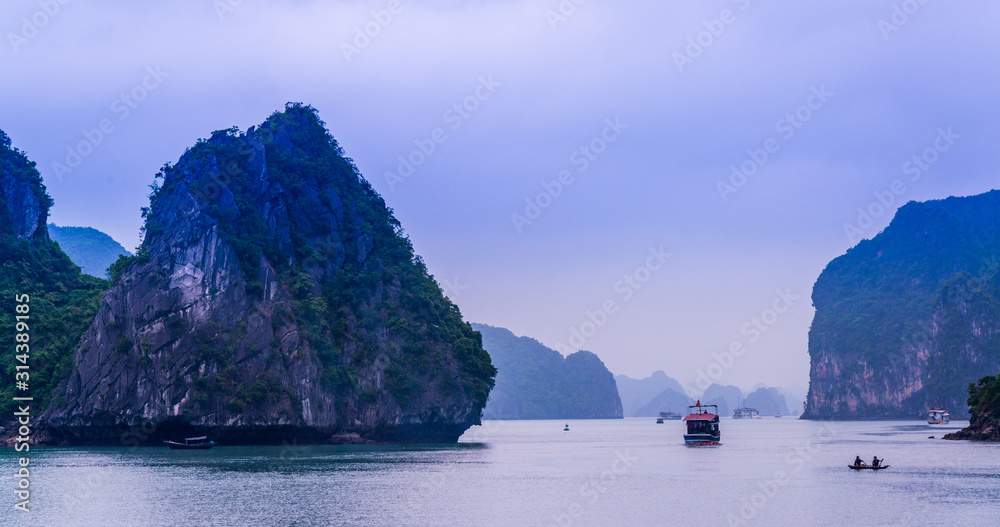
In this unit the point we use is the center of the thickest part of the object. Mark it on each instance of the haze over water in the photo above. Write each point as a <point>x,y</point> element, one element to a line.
<point>631,472</point>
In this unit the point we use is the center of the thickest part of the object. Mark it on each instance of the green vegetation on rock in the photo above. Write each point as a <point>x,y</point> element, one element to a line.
<point>62,300</point>
<point>984,409</point>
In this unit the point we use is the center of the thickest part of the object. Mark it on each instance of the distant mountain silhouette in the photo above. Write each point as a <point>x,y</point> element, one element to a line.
<point>88,247</point>
<point>636,393</point>
<point>767,401</point>
<point>667,400</point>
<point>537,382</point>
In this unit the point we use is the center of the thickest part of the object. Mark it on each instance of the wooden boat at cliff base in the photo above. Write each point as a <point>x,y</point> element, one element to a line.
<point>191,443</point>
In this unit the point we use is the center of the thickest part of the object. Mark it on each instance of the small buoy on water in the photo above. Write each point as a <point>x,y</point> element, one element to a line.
<point>567,428</point>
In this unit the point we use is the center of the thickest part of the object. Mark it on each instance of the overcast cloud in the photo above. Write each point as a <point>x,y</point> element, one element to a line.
<point>838,95</point>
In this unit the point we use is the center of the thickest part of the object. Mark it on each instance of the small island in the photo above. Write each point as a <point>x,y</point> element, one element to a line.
<point>984,408</point>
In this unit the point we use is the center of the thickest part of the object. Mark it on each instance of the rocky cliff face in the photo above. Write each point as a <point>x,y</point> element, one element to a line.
<point>273,299</point>
<point>537,382</point>
<point>906,320</point>
<point>24,205</point>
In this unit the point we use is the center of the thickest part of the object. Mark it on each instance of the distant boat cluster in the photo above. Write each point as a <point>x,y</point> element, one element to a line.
<point>668,416</point>
<point>746,412</point>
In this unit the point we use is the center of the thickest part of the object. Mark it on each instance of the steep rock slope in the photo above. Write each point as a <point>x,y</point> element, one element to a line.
<point>906,320</point>
<point>273,299</point>
<point>537,382</point>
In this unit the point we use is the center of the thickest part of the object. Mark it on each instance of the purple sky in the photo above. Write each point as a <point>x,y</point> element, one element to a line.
<point>642,109</point>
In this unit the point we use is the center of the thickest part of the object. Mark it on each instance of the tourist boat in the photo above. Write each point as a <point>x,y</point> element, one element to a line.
<point>702,425</point>
<point>745,413</point>
<point>777,415</point>
<point>659,420</point>
<point>938,416</point>
<point>670,416</point>
<point>191,443</point>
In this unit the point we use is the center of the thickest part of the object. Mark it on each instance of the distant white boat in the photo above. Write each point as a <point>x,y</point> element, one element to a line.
<point>777,415</point>
<point>938,416</point>
<point>746,413</point>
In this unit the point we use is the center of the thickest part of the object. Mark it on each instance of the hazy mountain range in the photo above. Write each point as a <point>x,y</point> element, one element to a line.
<point>88,247</point>
<point>537,382</point>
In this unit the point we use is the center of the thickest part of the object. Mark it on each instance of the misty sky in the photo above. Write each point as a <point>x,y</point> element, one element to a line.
<point>575,161</point>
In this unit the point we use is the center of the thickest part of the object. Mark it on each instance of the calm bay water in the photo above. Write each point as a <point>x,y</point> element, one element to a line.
<point>600,473</point>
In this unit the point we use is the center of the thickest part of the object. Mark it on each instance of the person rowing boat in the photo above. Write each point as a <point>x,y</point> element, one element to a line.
<point>858,462</point>
<point>876,461</point>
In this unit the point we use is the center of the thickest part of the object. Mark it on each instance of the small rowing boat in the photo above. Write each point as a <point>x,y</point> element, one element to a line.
<point>191,443</point>
<point>867,467</point>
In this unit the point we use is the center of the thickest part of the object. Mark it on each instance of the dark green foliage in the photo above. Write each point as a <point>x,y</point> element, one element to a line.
<point>63,301</point>
<point>984,398</point>
<point>89,248</point>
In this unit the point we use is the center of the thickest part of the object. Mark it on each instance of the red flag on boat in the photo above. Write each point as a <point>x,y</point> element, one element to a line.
<point>697,403</point>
